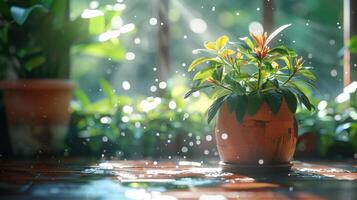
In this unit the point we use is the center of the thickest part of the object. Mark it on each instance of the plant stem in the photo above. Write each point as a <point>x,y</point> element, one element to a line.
<point>259,74</point>
<point>290,77</point>
<point>222,86</point>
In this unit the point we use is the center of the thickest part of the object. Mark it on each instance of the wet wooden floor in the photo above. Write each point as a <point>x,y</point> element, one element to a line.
<point>83,179</point>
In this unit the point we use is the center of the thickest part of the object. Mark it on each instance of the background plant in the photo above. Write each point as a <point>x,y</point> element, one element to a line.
<point>36,37</point>
<point>118,125</point>
<point>333,125</point>
<point>247,73</point>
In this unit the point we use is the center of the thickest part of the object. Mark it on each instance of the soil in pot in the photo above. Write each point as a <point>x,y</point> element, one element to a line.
<point>262,139</point>
<point>38,115</point>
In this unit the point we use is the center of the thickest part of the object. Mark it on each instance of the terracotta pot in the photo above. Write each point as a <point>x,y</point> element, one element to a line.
<point>262,139</point>
<point>38,114</point>
<point>307,145</point>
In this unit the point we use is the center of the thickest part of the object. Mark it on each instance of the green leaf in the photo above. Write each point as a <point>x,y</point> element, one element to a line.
<point>82,97</point>
<point>235,86</point>
<point>197,62</point>
<point>241,107</point>
<point>290,99</point>
<point>203,74</point>
<point>353,45</point>
<point>193,90</point>
<point>35,62</point>
<point>114,51</point>
<point>281,50</point>
<point>248,42</point>
<point>218,92</point>
<point>217,75</point>
<point>59,12</point>
<point>302,98</point>
<point>20,14</point>
<point>97,25</point>
<point>274,101</point>
<point>254,102</point>
<point>108,90</point>
<point>221,42</point>
<point>308,74</point>
<point>232,102</point>
<point>212,111</point>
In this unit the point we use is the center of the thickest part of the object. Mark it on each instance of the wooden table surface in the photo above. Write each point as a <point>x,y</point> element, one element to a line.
<point>168,180</point>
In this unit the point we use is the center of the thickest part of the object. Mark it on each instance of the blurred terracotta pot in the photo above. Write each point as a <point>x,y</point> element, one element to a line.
<point>262,139</point>
<point>38,114</point>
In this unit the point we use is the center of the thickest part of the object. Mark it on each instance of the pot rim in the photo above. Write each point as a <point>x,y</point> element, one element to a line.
<point>37,84</point>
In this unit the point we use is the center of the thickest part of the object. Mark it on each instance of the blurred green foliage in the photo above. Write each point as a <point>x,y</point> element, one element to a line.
<point>36,37</point>
<point>334,125</point>
<point>127,127</point>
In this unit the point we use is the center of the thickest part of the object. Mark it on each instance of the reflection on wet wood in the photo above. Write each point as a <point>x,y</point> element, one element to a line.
<point>171,180</point>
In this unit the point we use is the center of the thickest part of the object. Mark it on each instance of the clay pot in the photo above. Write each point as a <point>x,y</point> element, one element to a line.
<point>262,139</point>
<point>37,114</point>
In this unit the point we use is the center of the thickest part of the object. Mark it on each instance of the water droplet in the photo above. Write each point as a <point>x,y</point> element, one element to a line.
<point>137,124</point>
<point>128,109</point>
<point>153,21</point>
<point>185,37</point>
<point>309,55</point>
<point>190,143</point>
<point>206,152</point>
<point>162,85</point>
<point>130,56</point>
<point>190,134</point>
<point>332,42</point>
<point>183,65</point>
<point>291,189</point>
<point>333,72</point>
<point>339,27</point>
<point>237,13</point>
<point>153,88</point>
<point>198,142</point>
<point>126,85</point>
<point>213,8</point>
<point>261,162</point>
<point>137,41</point>
<point>258,9</point>
<point>198,25</point>
<point>157,134</point>
<point>172,105</point>
<point>184,149</point>
<point>105,139</point>
<point>208,137</point>
<point>93,4</point>
<point>105,120</point>
<point>224,136</point>
<point>125,119</point>
<point>155,163</point>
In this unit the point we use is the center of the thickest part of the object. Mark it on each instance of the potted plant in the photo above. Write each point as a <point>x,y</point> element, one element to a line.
<point>256,91</point>
<point>34,49</point>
